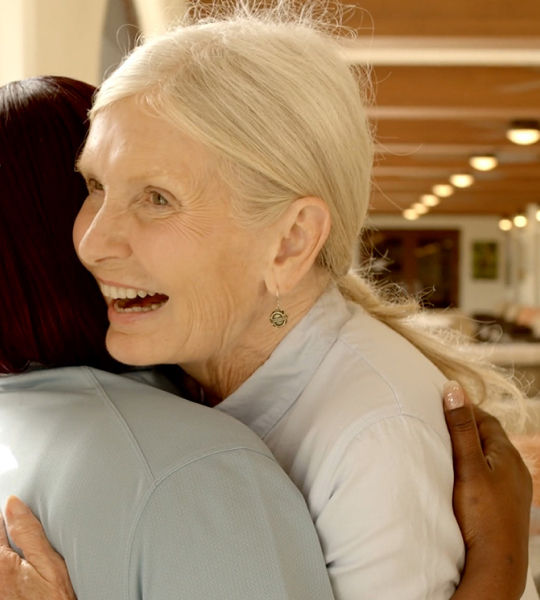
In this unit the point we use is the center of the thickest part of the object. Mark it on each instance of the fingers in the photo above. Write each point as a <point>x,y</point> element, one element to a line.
<point>42,573</point>
<point>3,533</point>
<point>460,419</point>
<point>27,533</point>
<point>454,396</point>
<point>495,442</point>
<point>479,441</point>
<point>490,430</point>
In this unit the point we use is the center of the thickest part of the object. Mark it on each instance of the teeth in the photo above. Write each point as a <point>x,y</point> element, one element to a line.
<point>138,308</point>
<point>119,293</point>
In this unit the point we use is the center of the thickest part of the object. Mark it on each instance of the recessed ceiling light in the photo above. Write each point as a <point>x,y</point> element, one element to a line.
<point>420,208</point>
<point>483,162</point>
<point>520,221</point>
<point>410,214</point>
<point>524,133</point>
<point>505,224</point>
<point>443,190</point>
<point>429,200</point>
<point>461,180</point>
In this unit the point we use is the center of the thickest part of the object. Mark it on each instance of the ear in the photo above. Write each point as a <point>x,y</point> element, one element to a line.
<point>303,230</point>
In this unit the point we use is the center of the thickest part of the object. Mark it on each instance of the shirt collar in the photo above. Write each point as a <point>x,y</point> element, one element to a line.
<point>262,400</point>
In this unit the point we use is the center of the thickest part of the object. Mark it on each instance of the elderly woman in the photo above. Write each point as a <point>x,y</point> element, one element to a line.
<point>228,168</point>
<point>146,495</point>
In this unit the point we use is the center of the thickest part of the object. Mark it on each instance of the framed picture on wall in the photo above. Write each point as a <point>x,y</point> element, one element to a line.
<point>485,260</point>
<point>423,261</point>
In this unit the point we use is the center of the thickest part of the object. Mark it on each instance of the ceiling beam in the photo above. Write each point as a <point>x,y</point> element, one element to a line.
<point>442,51</point>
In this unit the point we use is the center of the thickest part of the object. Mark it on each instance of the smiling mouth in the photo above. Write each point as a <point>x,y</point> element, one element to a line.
<point>131,300</point>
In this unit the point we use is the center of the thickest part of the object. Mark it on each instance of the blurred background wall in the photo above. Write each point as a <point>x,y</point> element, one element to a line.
<point>75,38</point>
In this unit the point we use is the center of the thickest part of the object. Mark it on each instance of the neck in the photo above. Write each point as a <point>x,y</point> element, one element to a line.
<point>220,376</point>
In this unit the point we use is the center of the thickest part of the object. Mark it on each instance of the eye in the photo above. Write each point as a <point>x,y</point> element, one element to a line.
<point>93,185</point>
<point>158,199</point>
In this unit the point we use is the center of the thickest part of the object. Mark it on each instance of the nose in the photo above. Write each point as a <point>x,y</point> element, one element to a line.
<point>101,235</point>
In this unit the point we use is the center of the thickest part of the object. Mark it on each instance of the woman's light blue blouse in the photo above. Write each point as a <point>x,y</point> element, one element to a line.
<point>353,413</point>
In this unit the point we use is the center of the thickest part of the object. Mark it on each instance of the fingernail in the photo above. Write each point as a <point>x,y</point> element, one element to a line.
<point>16,507</point>
<point>453,395</point>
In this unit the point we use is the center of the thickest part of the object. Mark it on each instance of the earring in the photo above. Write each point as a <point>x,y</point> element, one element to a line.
<point>279,317</point>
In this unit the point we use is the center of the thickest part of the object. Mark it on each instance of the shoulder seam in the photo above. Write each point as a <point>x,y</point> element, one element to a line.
<point>157,484</point>
<point>120,419</point>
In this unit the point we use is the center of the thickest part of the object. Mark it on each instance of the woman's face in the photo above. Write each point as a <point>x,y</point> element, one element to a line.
<point>183,281</point>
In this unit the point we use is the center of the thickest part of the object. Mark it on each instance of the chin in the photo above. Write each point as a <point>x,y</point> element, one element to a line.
<point>128,352</point>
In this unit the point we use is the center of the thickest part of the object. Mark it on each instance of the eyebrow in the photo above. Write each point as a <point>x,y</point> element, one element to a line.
<point>193,181</point>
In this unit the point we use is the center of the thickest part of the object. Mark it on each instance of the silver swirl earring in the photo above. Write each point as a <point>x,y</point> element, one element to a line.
<point>278,317</point>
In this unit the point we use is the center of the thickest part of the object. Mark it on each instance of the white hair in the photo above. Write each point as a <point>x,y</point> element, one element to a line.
<point>268,93</point>
<point>276,103</point>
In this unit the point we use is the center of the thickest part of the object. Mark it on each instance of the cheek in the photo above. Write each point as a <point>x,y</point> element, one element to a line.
<point>206,284</point>
<point>214,276</point>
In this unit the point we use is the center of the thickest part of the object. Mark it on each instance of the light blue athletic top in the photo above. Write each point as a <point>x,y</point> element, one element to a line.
<point>150,496</point>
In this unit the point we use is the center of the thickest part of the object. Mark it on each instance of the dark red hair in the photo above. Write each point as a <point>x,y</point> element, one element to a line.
<point>52,313</point>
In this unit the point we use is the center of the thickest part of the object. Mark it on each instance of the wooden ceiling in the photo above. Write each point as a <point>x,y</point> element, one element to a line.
<point>449,77</point>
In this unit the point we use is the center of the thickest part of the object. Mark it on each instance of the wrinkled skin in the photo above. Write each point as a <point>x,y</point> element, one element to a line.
<point>43,573</point>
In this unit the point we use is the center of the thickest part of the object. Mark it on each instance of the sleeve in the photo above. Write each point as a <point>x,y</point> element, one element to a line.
<point>388,529</point>
<point>228,526</point>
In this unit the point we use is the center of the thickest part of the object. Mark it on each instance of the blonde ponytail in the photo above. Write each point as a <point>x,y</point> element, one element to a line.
<point>493,388</point>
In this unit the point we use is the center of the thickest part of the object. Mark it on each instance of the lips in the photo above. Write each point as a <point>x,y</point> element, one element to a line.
<point>128,299</point>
